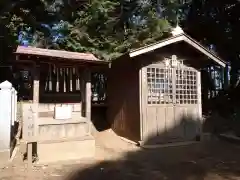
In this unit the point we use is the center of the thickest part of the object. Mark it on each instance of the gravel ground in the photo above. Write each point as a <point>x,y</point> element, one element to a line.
<point>116,159</point>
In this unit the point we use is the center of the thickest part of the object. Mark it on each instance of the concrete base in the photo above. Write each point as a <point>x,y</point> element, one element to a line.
<point>5,157</point>
<point>66,150</point>
<point>229,137</point>
<point>168,144</point>
<point>209,137</point>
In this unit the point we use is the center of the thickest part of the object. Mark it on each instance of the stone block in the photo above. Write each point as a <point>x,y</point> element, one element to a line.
<point>67,150</point>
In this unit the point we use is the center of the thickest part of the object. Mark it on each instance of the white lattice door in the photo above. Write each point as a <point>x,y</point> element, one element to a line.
<point>172,101</point>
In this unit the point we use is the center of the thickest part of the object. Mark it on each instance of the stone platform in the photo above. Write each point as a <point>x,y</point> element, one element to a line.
<point>66,149</point>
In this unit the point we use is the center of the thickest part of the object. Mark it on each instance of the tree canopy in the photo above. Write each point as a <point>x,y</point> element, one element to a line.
<point>103,27</point>
<point>110,28</point>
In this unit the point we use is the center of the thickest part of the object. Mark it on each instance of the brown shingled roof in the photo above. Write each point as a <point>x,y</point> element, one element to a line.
<point>174,39</point>
<point>56,54</point>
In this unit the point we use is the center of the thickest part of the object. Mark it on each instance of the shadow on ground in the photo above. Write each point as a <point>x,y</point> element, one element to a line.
<point>213,160</point>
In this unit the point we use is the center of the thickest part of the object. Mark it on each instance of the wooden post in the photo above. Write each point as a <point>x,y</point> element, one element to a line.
<point>226,82</point>
<point>88,99</point>
<point>81,78</point>
<point>199,93</point>
<point>29,154</point>
<point>86,96</point>
<point>144,102</point>
<point>32,139</point>
<point>71,79</point>
<point>140,103</point>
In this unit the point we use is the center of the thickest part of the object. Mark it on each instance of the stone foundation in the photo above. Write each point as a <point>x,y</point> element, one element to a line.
<point>5,157</point>
<point>66,150</point>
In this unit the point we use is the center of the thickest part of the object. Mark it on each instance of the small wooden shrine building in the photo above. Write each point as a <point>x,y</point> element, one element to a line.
<point>58,118</point>
<point>154,92</point>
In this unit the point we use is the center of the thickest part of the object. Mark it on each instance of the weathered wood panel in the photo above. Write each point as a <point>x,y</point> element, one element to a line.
<point>123,98</point>
<point>152,122</point>
<point>171,101</point>
<point>170,126</point>
<point>161,121</point>
<point>35,110</point>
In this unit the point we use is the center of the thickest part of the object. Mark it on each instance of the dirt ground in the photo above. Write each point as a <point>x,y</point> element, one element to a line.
<point>116,159</point>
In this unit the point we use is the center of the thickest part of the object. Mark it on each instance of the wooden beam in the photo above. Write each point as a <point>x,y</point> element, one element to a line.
<point>58,60</point>
<point>36,85</point>
<point>140,103</point>
<point>226,82</point>
<point>144,102</point>
<point>199,92</point>
<point>82,90</point>
<point>29,155</point>
<point>88,96</point>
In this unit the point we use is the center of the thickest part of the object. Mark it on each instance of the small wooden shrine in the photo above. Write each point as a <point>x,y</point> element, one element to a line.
<point>157,97</point>
<point>59,116</point>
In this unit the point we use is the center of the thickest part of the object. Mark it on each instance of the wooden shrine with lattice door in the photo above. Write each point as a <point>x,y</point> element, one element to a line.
<point>174,96</point>
<point>158,95</point>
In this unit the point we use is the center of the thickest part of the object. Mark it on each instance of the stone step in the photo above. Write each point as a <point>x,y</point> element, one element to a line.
<point>52,129</point>
<point>66,150</point>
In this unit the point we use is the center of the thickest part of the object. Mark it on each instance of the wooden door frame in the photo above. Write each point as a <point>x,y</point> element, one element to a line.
<point>199,89</point>
<point>142,101</point>
<point>143,96</point>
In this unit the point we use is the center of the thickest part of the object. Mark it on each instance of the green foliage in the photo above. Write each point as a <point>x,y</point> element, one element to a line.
<point>27,16</point>
<point>217,23</point>
<point>108,29</point>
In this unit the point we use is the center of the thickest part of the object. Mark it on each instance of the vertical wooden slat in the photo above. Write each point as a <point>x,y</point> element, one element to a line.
<point>64,79</point>
<point>67,80</point>
<point>77,79</point>
<point>81,78</point>
<point>71,79</point>
<point>54,79</point>
<point>46,87</point>
<point>50,77</point>
<point>74,79</point>
<point>57,83</point>
<point>60,80</point>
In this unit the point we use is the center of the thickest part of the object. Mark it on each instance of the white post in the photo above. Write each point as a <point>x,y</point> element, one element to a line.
<point>5,116</point>
<point>14,105</point>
